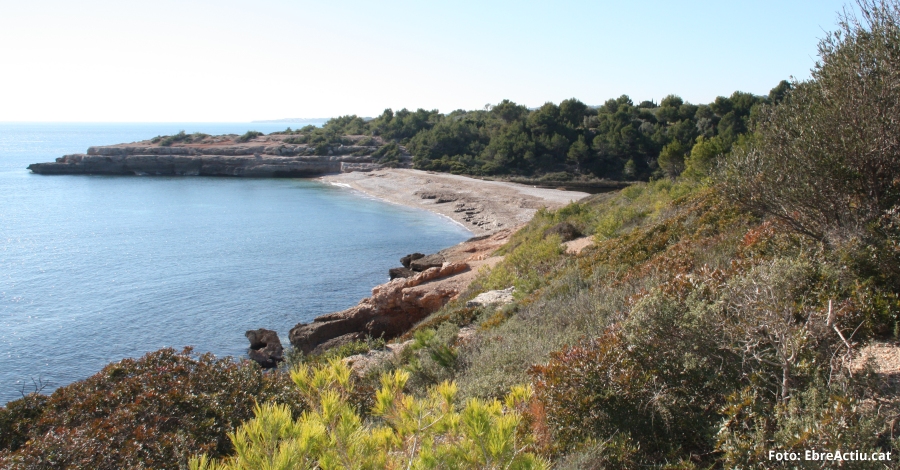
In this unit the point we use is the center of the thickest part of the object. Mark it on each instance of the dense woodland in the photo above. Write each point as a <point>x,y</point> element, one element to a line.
<point>725,310</point>
<point>619,140</point>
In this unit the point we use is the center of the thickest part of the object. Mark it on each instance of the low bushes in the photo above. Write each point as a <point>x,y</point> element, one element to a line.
<point>249,135</point>
<point>406,432</point>
<point>168,140</point>
<point>150,412</point>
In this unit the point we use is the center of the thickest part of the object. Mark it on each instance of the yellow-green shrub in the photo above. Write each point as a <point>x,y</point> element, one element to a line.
<point>406,432</point>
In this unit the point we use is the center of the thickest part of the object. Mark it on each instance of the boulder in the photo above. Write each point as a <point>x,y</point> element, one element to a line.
<point>400,272</point>
<point>361,364</point>
<point>265,347</point>
<point>492,297</point>
<point>406,260</point>
<point>427,262</point>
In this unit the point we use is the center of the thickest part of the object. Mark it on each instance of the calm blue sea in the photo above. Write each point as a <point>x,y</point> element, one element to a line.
<point>94,269</point>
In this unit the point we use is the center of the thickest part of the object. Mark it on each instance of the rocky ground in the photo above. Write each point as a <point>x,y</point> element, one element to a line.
<point>396,306</point>
<point>484,207</point>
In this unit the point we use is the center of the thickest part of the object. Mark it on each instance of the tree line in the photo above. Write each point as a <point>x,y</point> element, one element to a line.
<point>619,140</point>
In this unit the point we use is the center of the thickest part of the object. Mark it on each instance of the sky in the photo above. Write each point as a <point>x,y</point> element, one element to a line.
<point>236,61</point>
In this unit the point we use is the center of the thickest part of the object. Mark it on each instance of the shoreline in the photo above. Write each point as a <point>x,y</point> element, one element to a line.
<point>482,207</point>
<point>492,211</point>
<point>380,199</point>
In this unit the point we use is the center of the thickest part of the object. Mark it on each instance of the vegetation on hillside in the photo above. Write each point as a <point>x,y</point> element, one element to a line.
<point>719,315</point>
<point>152,412</point>
<point>180,137</point>
<point>409,432</point>
<point>619,140</point>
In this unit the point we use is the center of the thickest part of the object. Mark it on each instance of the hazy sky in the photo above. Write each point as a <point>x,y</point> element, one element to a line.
<point>225,60</point>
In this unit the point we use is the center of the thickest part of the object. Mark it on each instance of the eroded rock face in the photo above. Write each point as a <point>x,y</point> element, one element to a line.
<point>392,309</point>
<point>268,156</point>
<point>191,165</point>
<point>265,347</point>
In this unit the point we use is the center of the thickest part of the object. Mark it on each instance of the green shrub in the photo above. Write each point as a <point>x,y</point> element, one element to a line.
<point>659,378</point>
<point>302,139</point>
<point>824,160</point>
<point>819,417</point>
<point>140,413</point>
<point>322,149</point>
<point>168,140</point>
<point>407,432</point>
<point>248,136</point>
<point>619,452</point>
<point>526,266</point>
<point>17,419</point>
<point>431,358</point>
<point>387,153</point>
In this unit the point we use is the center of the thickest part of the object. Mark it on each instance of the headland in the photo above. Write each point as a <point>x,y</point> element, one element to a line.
<point>251,155</point>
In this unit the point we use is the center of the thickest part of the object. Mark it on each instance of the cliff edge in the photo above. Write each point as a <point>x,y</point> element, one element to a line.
<point>274,155</point>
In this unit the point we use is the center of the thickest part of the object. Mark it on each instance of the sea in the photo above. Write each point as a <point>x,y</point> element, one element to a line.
<point>94,269</point>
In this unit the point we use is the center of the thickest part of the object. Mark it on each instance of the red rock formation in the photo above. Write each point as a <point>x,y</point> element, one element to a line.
<point>392,310</point>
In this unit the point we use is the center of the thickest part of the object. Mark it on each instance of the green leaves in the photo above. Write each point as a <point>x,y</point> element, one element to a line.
<point>409,432</point>
<point>145,412</point>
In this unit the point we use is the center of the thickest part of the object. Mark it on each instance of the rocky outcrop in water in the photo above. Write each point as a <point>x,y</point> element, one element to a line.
<point>265,347</point>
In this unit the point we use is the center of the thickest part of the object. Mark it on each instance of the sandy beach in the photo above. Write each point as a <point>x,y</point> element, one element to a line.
<point>484,207</point>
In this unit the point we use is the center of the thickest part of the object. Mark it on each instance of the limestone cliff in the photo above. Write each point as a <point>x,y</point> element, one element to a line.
<point>265,156</point>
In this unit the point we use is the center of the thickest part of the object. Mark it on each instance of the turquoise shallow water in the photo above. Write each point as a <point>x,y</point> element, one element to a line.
<point>94,269</point>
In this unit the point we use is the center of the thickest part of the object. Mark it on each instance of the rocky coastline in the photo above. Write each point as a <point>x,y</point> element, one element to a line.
<point>399,304</point>
<point>491,210</point>
<point>270,156</point>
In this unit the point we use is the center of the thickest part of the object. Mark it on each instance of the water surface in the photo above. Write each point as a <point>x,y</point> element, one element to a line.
<point>97,268</point>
